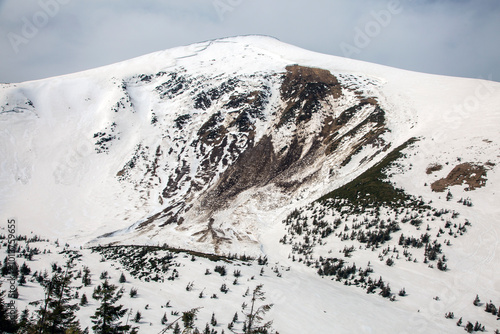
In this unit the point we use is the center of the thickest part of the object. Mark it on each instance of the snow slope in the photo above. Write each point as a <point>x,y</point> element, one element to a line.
<point>134,153</point>
<point>48,128</point>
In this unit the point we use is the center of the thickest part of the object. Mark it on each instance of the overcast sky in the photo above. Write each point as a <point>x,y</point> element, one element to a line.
<point>42,38</point>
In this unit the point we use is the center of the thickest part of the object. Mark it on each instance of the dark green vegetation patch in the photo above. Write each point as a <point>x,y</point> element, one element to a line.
<point>372,187</point>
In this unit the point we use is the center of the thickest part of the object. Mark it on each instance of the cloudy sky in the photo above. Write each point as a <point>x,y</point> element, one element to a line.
<point>42,38</point>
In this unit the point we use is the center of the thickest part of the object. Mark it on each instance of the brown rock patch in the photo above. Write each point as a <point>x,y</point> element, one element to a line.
<point>433,168</point>
<point>303,89</point>
<point>298,77</point>
<point>471,174</point>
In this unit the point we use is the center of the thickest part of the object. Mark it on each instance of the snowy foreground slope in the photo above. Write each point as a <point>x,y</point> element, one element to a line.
<point>247,145</point>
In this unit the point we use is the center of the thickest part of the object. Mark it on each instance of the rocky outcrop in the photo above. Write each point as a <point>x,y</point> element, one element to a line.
<point>252,138</point>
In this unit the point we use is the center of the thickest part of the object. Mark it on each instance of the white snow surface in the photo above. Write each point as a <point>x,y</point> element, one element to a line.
<point>54,184</point>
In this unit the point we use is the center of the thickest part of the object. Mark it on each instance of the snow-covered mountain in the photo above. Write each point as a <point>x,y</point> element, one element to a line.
<point>204,146</point>
<point>248,145</point>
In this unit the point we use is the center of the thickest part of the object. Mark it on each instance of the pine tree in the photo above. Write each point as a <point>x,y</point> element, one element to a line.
<point>177,329</point>
<point>24,320</point>
<point>449,196</point>
<point>164,319</point>
<point>86,276</point>
<point>22,280</point>
<point>5,267</point>
<point>476,301</point>
<point>477,327</point>
<point>14,269</point>
<point>104,275</point>
<point>25,270</point>
<point>138,317</point>
<point>188,319</point>
<point>13,316</point>
<point>84,301</point>
<point>57,314</point>
<point>255,315</point>
<point>491,308</point>
<point>386,291</point>
<point>6,323</point>
<point>107,316</point>
<point>122,278</point>
<point>441,265</point>
<point>488,308</point>
<point>213,321</point>
<point>459,322</point>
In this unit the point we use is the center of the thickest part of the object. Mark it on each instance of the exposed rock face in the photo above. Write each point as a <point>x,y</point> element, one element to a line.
<point>303,90</point>
<point>280,130</point>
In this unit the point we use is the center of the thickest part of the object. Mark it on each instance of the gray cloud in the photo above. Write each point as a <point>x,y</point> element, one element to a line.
<point>459,38</point>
